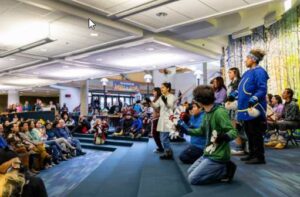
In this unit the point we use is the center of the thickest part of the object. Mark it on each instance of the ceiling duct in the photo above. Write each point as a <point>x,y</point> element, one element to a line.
<point>244,32</point>
<point>270,19</point>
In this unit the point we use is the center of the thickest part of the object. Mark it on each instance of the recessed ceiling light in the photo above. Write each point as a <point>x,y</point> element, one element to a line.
<point>99,60</point>
<point>12,59</point>
<point>94,34</point>
<point>44,50</point>
<point>66,66</point>
<point>191,60</point>
<point>161,14</point>
<point>150,49</point>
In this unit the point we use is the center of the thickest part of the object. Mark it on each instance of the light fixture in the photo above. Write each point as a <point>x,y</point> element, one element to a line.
<point>191,60</point>
<point>104,81</point>
<point>161,14</point>
<point>36,73</point>
<point>26,47</point>
<point>150,49</point>
<point>99,60</point>
<point>148,78</point>
<point>198,74</point>
<point>12,59</point>
<point>65,66</point>
<point>94,34</point>
<point>139,8</point>
<point>44,50</point>
<point>287,5</point>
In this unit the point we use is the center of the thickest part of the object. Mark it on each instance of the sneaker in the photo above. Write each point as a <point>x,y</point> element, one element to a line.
<point>231,168</point>
<point>280,146</point>
<point>237,152</point>
<point>166,157</point>
<point>157,150</point>
<point>131,135</point>
<point>255,161</point>
<point>139,135</point>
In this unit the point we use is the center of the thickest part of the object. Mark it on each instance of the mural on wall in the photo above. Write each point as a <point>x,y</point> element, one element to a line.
<point>281,42</point>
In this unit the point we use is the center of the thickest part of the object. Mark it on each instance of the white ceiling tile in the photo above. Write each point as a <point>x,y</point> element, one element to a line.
<point>254,1</point>
<point>191,8</point>
<point>221,6</point>
<point>149,18</point>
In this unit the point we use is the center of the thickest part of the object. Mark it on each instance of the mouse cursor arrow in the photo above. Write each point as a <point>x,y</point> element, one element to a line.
<point>91,24</point>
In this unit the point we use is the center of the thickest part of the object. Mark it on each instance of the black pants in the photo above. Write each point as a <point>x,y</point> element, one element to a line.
<point>255,130</point>
<point>155,135</point>
<point>190,154</point>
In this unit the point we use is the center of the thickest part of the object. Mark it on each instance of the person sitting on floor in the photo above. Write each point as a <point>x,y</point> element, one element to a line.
<point>146,130</point>
<point>125,124</point>
<point>290,120</point>
<point>215,164</point>
<point>136,128</point>
<point>195,149</point>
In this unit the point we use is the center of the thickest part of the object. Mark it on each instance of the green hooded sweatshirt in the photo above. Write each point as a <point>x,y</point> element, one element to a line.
<point>217,119</point>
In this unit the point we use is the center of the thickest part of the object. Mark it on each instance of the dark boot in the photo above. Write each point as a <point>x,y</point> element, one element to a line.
<point>247,158</point>
<point>230,171</point>
<point>168,155</point>
<point>256,161</point>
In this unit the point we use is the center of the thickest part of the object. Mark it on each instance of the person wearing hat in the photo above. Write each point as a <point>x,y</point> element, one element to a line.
<point>125,124</point>
<point>252,105</point>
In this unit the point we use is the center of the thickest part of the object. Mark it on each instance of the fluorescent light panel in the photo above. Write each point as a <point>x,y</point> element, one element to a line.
<point>26,47</point>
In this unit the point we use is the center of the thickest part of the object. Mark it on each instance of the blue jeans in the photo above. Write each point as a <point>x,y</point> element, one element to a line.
<point>165,140</point>
<point>205,171</point>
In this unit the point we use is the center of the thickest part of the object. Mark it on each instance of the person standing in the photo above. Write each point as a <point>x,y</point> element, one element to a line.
<point>252,93</point>
<point>220,90</point>
<point>155,116</point>
<point>235,78</point>
<point>166,104</point>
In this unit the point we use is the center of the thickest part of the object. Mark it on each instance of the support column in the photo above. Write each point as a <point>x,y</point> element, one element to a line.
<point>13,97</point>
<point>205,73</point>
<point>84,96</point>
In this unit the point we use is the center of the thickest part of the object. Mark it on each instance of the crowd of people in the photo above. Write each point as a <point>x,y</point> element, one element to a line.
<point>28,146</point>
<point>242,111</point>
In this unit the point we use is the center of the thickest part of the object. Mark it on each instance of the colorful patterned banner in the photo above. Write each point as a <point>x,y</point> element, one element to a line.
<point>281,42</point>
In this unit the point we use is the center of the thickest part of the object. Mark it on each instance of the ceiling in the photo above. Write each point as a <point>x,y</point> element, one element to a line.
<point>180,12</point>
<point>192,32</point>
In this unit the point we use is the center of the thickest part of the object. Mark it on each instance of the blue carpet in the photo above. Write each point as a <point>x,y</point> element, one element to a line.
<point>160,178</point>
<point>63,178</point>
<point>279,177</point>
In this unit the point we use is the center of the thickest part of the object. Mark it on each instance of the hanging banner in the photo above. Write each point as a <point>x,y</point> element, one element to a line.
<point>126,86</point>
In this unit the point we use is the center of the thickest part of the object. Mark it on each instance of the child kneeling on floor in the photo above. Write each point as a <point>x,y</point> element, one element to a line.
<point>215,164</point>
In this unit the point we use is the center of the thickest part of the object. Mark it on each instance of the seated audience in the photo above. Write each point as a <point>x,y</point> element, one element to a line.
<point>290,119</point>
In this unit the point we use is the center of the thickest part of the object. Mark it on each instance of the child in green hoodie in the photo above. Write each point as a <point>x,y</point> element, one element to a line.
<point>215,164</point>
